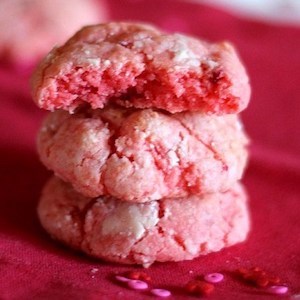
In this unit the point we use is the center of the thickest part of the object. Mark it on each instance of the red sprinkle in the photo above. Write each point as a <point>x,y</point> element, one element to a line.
<point>258,277</point>
<point>136,275</point>
<point>198,287</point>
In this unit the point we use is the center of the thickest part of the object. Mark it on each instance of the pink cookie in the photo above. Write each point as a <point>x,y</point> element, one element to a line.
<point>139,66</point>
<point>143,233</point>
<point>31,28</point>
<point>143,155</point>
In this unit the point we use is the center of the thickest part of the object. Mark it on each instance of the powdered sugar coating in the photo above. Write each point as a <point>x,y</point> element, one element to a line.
<point>142,233</point>
<point>143,155</point>
<point>31,28</point>
<point>137,65</point>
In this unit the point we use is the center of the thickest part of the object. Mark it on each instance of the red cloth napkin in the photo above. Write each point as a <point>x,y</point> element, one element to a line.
<point>32,266</point>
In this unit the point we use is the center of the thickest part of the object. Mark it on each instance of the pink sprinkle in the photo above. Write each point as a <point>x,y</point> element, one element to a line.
<point>122,278</point>
<point>161,292</point>
<point>137,284</point>
<point>214,277</point>
<point>278,289</point>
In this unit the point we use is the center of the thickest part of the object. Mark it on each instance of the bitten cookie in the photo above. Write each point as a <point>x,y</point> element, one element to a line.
<point>29,29</point>
<point>143,155</point>
<point>143,233</point>
<point>139,66</point>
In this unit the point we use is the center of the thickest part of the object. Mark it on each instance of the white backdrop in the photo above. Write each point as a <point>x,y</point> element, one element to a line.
<point>287,11</point>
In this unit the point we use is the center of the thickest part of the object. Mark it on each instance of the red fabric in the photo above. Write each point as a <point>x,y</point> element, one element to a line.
<point>32,266</point>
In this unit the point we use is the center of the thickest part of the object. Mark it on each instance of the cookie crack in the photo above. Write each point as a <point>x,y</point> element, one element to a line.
<point>157,227</point>
<point>215,153</point>
<point>179,241</point>
<point>81,215</point>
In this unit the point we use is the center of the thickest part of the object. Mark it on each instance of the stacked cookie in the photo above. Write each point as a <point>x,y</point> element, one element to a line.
<point>145,142</point>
